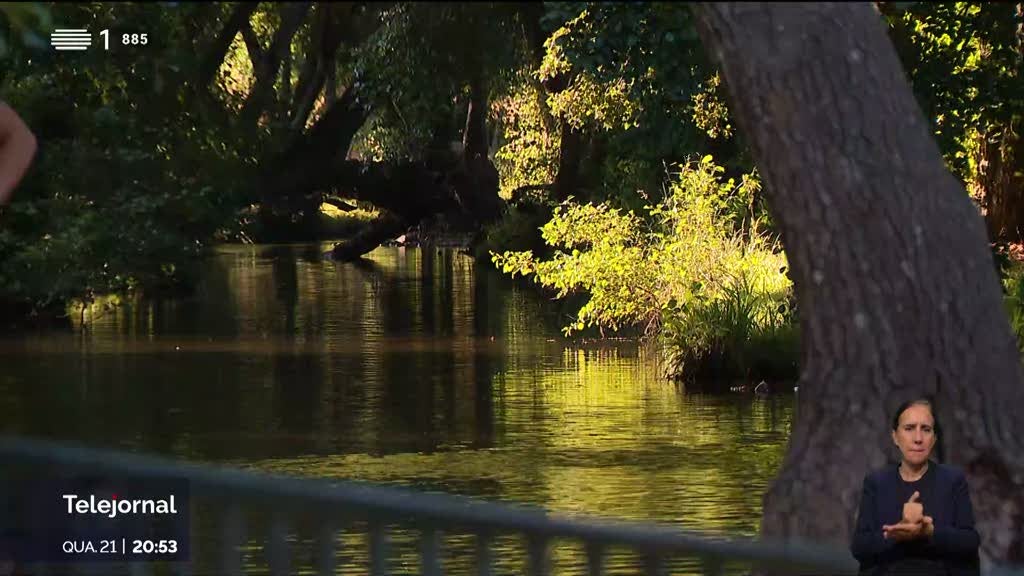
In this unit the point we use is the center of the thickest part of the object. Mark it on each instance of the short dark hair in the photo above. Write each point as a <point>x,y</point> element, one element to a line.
<point>916,402</point>
<point>935,421</point>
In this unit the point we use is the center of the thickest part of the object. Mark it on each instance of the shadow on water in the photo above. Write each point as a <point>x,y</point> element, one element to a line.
<point>414,368</point>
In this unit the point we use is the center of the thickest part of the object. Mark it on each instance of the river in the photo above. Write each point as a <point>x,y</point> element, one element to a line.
<point>415,368</point>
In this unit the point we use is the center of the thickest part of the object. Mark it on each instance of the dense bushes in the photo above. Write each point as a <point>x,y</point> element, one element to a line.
<point>693,271</point>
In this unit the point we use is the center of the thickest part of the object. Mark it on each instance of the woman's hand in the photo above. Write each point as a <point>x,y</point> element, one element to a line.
<point>914,524</point>
<point>903,531</point>
<point>912,509</point>
<point>929,526</point>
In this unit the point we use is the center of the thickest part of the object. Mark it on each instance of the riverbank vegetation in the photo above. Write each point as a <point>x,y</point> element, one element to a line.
<point>690,269</point>
<point>585,146</point>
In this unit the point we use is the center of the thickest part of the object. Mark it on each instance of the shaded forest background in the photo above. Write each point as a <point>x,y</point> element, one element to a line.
<point>586,146</point>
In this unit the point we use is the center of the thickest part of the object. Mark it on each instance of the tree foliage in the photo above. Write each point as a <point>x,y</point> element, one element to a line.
<point>127,187</point>
<point>633,79</point>
<point>187,165</point>
<point>964,62</point>
<point>422,60</point>
<point>680,270</point>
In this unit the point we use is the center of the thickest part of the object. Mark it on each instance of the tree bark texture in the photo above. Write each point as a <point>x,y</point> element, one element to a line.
<point>1000,177</point>
<point>530,14</point>
<point>897,290</point>
<point>384,228</point>
<point>570,154</point>
<point>999,182</point>
<point>570,144</point>
<point>476,183</point>
<point>409,190</point>
<point>406,192</point>
<point>474,135</point>
<point>299,169</point>
<point>253,47</point>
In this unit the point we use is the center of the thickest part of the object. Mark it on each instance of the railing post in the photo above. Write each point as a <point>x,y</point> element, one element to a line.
<point>595,559</point>
<point>484,558</point>
<point>539,561</point>
<point>278,546</point>
<point>326,548</point>
<point>430,544</point>
<point>232,534</point>
<point>378,550</point>
<point>654,564</point>
<point>185,567</point>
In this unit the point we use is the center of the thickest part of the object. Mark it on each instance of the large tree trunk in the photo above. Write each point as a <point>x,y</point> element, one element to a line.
<point>999,182</point>
<point>406,192</point>
<point>896,286</point>
<point>384,228</point>
<point>474,135</point>
<point>570,143</point>
<point>293,183</point>
<point>570,153</point>
<point>476,181</point>
<point>570,146</point>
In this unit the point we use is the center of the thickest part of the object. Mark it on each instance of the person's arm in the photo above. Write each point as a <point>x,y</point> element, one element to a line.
<point>868,543</point>
<point>17,148</point>
<point>960,539</point>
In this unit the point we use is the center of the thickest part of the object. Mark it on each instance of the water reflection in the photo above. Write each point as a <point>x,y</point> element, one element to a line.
<point>413,368</point>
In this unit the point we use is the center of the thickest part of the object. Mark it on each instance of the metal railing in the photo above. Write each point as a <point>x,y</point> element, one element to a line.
<point>334,505</point>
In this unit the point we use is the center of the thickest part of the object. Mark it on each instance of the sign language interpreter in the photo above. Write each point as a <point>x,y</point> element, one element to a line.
<point>916,516</point>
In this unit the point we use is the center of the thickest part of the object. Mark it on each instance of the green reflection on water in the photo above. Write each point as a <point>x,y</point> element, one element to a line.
<point>415,368</point>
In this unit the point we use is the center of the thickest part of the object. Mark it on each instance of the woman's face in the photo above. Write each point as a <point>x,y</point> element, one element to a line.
<point>915,435</point>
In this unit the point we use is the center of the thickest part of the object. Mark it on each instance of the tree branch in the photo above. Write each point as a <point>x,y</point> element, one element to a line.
<point>219,49</point>
<point>252,45</point>
<point>291,19</point>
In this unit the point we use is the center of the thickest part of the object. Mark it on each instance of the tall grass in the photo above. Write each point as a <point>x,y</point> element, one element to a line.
<point>745,332</point>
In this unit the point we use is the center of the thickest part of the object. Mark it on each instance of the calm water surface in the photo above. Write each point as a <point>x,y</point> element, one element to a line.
<point>414,368</point>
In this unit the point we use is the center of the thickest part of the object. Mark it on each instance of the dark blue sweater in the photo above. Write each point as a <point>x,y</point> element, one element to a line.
<point>953,549</point>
